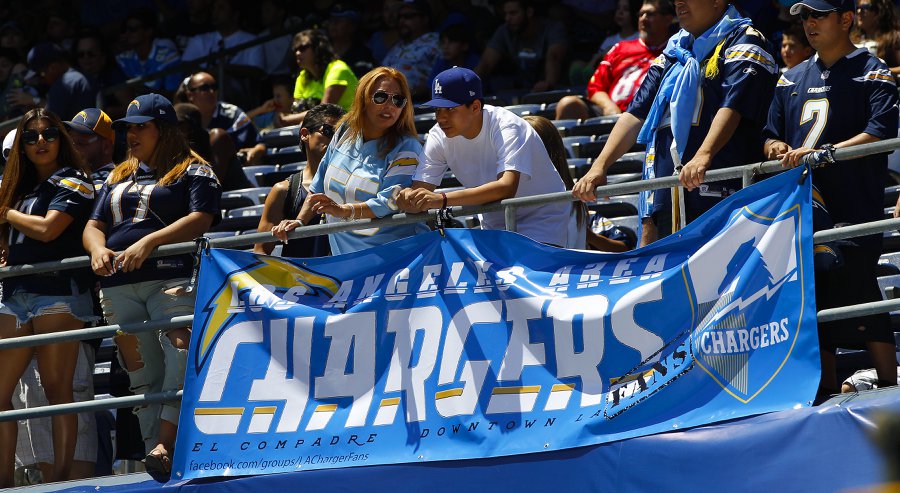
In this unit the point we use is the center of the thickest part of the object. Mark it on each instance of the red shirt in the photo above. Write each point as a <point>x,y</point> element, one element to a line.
<point>622,70</point>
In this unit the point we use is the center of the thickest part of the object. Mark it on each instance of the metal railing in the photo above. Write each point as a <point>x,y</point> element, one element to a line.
<point>745,172</point>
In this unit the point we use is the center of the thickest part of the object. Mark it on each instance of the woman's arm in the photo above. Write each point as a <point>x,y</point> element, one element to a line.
<point>94,241</point>
<point>185,229</point>
<point>42,228</point>
<point>273,213</point>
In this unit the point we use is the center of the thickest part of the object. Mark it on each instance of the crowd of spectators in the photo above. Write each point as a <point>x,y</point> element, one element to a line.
<point>350,75</point>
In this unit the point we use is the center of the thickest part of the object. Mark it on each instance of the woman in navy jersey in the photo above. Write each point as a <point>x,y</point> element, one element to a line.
<point>45,200</point>
<point>163,193</point>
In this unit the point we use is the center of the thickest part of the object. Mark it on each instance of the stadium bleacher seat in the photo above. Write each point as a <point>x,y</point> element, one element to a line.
<point>525,109</point>
<point>424,122</point>
<point>244,197</point>
<point>625,205</point>
<point>600,125</point>
<point>282,155</point>
<point>563,126</point>
<point>280,173</point>
<point>254,173</point>
<point>495,101</point>
<point>281,137</point>
<point>240,219</point>
<point>890,195</point>
<point>588,148</point>
<point>545,97</point>
<point>622,178</point>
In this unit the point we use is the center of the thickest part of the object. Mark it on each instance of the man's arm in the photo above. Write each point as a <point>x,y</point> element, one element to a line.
<point>489,60</point>
<point>552,67</point>
<point>622,137</point>
<point>793,156</point>
<point>723,126</point>
<point>421,196</point>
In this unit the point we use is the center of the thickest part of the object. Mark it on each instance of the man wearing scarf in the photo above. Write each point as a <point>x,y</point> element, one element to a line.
<point>701,106</point>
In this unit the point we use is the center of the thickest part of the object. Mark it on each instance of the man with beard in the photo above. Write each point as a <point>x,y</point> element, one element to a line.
<point>418,48</point>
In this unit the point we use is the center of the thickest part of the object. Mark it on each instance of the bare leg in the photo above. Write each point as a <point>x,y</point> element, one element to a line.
<point>14,363</point>
<point>884,354</point>
<point>56,365</point>
<point>571,107</point>
<point>648,232</point>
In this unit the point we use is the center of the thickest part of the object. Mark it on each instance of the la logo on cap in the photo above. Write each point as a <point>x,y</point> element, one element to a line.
<point>437,87</point>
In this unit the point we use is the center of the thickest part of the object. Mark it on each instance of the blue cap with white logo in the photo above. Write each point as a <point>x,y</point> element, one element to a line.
<point>454,87</point>
<point>148,107</point>
<point>823,6</point>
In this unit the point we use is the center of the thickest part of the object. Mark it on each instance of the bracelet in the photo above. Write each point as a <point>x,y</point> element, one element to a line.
<point>444,197</point>
<point>352,212</point>
<point>300,221</point>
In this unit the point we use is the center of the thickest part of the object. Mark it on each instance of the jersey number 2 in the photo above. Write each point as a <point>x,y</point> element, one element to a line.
<point>816,110</point>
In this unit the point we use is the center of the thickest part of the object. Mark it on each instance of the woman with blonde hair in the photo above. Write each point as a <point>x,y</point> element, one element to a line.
<point>45,200</point>
<point>373,154</point>
<point>163,193</point>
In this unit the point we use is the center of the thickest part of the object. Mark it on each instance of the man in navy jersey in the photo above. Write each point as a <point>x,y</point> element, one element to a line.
<point>842,96</point>
<point>93,136</point>
<point>702,104</point>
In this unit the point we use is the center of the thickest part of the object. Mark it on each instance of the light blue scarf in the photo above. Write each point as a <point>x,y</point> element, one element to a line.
<point>680,86</point>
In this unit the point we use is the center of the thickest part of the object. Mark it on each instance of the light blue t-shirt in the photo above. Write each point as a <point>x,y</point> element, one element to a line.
<point>353,172</point>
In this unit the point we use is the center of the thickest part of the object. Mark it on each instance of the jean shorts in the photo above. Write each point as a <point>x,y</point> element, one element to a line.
<point>26,306</point>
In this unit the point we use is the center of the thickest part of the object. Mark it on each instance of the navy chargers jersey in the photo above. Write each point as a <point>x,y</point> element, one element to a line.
<point>68,191</point>
<point>236,123</point>
<point>815,105</point>
<point>138,206</point>
<point>744,81</point>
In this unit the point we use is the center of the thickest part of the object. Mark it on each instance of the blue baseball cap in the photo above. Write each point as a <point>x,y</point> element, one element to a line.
<point>824,6</point>
<point>148,107</point>
<point>92,121</point>
<point>41,55</point>
<point>454,87</point>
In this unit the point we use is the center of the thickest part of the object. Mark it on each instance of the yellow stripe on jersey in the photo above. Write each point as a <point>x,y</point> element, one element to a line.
<point>83,188</point>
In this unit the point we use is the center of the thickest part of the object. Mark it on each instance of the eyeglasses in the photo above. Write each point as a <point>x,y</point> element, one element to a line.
<point>866,8</point>
<point>303,47</point>
<point>208,87</point>
<point>326,130</point>
<point>805,14</point>
<point>30,137</point>
<point>87,54</point>
<point>381,97</point>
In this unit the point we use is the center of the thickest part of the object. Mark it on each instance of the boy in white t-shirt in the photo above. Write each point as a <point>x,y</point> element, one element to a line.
<point>493,153</point>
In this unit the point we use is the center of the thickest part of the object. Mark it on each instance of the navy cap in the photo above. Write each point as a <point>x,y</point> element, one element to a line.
<point>454,87</point>
<point>345,11</point>
<point>148,107</point>
<point>824,6</point>
<point>41,55</point>
<point>92,121</point>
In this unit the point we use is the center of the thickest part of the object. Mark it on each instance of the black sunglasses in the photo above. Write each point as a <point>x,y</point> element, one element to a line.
<point>805,14</point>
<point>326,130</point>
<point>86,54</point>
<point>866,8</point>
<point>381,97</point>
<point>30,137</point>
<point>203,88</point>
<point>303,47</point>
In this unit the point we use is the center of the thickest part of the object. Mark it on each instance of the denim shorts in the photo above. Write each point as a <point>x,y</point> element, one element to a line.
<point>26,306</point>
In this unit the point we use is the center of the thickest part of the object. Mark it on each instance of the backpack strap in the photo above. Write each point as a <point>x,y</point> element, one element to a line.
<point>293,201</point>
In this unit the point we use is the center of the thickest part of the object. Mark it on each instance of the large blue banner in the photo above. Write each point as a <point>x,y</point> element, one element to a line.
<point>485,343</point>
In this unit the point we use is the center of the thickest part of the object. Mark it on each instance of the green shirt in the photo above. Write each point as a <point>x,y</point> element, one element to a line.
<point>337,73</point>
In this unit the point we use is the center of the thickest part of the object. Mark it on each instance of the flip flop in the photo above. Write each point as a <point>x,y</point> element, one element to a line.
<point>158,462</point>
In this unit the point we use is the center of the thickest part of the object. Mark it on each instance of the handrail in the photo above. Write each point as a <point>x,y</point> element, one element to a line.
<point>764,167</point>
<point>743,172</point>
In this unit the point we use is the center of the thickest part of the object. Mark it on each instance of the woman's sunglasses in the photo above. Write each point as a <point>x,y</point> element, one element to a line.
<point>30,137</point>
<point>866,8</point>
<point>381,97</point>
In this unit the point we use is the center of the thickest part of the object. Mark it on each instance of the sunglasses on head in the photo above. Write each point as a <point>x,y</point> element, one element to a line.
<point>208,87</point>
<point>381,97</point>
<point>30,137</point>
<point>805,14</point>
<point>326,130</point>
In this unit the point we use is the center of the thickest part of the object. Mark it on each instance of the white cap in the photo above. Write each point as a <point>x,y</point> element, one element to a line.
<point>8,143</point>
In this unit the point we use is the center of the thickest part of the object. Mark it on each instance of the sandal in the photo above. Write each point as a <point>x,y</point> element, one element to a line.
<point>158,462</point>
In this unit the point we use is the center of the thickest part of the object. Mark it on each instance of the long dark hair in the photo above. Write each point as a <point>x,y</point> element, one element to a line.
<point>557,151</point>
<point>20,175</point>
<point>321,46</point>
